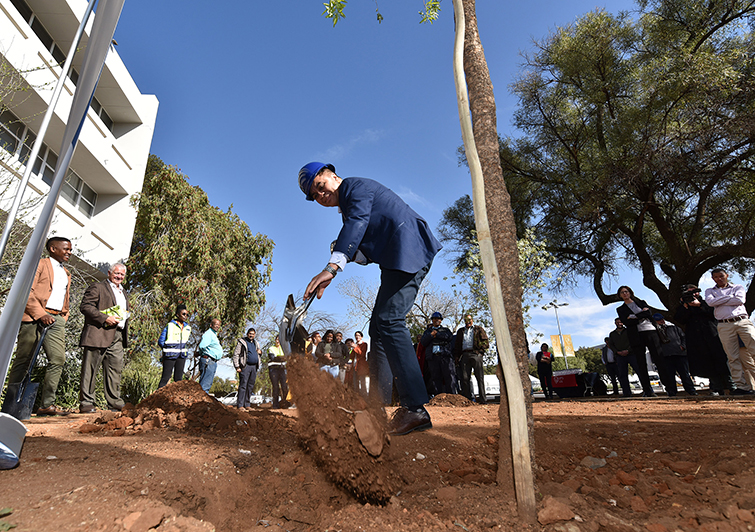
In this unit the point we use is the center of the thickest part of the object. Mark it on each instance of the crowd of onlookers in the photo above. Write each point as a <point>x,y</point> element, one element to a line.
<point>708,336</point>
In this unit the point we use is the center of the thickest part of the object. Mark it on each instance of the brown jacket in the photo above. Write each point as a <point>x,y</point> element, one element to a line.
<point>97,298</point>
<point>41,289</point>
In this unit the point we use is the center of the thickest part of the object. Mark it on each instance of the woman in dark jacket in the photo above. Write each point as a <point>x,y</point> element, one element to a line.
<point>545,370</point>
<point>637,317</point>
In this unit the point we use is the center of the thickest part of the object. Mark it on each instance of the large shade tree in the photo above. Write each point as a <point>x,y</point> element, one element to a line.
<point>185,250</point>
<point>638,144</point>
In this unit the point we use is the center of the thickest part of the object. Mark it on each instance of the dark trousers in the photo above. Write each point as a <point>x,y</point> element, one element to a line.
<point>247,378</point>
<point>443,373</point>
<point>623,363</point>
<point>472,361</point>
<point>172,367</point>
<point>680,365</point>
<point>651,340</point>
<point>546,383</point>
<point>111,360</point>
<point>612,370</point>
<point>278,381</point>
<point>391,340</point>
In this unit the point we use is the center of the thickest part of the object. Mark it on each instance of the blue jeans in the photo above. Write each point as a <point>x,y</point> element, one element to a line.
<point>391,339</point>
<point>207,367</point>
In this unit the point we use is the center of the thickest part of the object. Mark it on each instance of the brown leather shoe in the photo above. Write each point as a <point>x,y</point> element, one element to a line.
<point>405,421</point>
<point>87,409</point>
<point>51,411</point>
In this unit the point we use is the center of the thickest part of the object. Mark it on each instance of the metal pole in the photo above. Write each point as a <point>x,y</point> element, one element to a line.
<point>560,337</point>
<point>13,212</point>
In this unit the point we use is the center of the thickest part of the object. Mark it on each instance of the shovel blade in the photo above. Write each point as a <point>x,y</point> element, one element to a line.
<point>20,407</point>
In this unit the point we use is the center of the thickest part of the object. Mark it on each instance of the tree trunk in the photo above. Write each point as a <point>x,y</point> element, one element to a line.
<point>502,227</point>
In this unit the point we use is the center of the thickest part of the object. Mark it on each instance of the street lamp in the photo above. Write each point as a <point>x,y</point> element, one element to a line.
<point>554,305</point>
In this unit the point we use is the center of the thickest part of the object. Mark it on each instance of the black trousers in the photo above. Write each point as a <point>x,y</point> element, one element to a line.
<point>172,367</point>
<point>472,361</point>
<point>278,381</point>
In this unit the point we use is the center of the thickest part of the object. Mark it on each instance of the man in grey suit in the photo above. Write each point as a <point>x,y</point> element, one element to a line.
<point>104,337</point>
<point>379,227</point>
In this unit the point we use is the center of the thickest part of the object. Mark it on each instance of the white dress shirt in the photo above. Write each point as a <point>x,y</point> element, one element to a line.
<point>120,300</point>
<point>59,286</point>
<point>727,302</point>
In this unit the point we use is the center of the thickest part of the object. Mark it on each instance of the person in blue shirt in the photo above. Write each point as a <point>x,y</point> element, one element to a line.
<point>210,352</point>
<point>379,227</point>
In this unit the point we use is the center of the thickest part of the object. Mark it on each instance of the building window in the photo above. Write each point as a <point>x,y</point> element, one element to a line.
<point>79,194</point>
<point>17,139</point>
<point>58,54</point>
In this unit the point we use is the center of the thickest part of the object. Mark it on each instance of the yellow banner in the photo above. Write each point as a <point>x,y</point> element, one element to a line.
<point>568,347</point>
<point>556,345</point>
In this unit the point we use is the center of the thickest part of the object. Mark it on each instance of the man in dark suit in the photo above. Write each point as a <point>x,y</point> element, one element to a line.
<point>48,305</point>
<point>379,227</point>
<point>104,337</point>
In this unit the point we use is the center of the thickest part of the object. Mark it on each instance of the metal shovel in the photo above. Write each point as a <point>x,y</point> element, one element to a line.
<point>292,323</point>
<point>20,396</point>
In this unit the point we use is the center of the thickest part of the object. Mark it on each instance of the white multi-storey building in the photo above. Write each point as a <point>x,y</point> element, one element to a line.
<point>111,156</point>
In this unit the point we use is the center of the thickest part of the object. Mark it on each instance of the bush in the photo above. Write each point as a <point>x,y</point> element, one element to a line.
<point>139,379</point>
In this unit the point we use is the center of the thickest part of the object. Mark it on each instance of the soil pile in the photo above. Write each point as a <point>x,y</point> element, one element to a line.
<point>343,433</point>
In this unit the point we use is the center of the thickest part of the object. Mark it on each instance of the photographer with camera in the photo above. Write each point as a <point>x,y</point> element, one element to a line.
<point>705,354</point>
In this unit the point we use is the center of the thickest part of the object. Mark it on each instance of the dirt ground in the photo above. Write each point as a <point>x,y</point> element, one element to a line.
<point>181,461</point>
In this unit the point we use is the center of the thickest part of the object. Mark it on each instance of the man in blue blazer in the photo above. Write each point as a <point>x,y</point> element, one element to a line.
<point>379,227</point>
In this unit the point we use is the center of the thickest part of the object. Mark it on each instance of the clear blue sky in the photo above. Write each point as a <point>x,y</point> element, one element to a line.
<point>250,91</point>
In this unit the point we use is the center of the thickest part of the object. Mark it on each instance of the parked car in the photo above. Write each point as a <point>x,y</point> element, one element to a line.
<point>492,388</point>
<point>232,399</point>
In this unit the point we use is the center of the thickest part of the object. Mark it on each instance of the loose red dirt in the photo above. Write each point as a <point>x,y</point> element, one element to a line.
<point>182,462</point>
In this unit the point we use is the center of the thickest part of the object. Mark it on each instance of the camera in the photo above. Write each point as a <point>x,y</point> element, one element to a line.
<point>689,297</point>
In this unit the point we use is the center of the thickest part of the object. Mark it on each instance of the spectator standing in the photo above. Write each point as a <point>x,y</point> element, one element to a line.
<point>362,369</point>
<point>103,339</point>
<point>48,305</point>
<point>210,351</point>
<point>379,227</point>
<point>437,343</point>
<point>674,347</point>
<point>276,368</point>
<point>608,358</point>
<point>312,343</point>
<point>329,354</point>
<point>470,346</point>
<point>705,354</point>
<point>618,342</point>
<point>728,302</point>
<point>246,360</point>
<point>173,341</point>
<point>638,319</point>
<point>545,370</point>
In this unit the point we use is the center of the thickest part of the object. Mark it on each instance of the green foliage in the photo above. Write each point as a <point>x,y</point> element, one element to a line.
<point>457,230</point>
<point>636,144</point>
<point>334,10</point>
<point>185,250</point>
<point>431,12</point>
<point>222,387</point>
<point>139,379</point>
<point>591,358</point>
